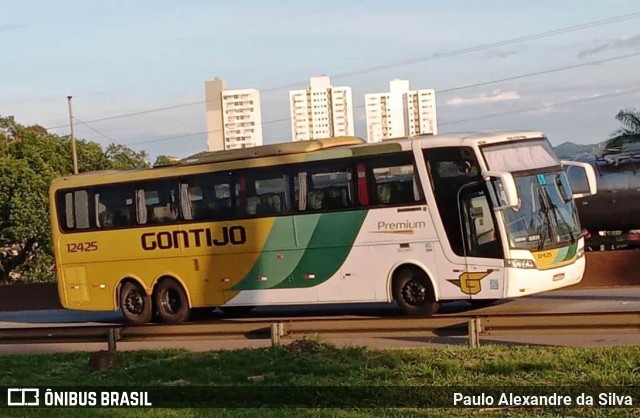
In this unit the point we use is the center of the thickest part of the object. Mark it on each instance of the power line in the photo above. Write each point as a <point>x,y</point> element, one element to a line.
<point>484,47</point>
<point>529,109</point>
<point>97,131</point>
<point>270,122</point>
<point>449,90</point>
<point>434,57</point>
<point>549,71</point>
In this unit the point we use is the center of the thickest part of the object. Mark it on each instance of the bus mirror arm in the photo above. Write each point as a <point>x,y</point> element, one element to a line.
<point>504,187</point>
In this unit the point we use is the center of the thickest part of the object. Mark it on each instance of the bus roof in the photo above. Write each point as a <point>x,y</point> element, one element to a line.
<point>475,138</point>
<point>271,150</point>
<point>290,152</point>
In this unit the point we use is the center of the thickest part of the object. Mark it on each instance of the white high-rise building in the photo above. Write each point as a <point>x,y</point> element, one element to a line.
<point>400,112</point>
<point>321,110</point>
<point>234,118</point>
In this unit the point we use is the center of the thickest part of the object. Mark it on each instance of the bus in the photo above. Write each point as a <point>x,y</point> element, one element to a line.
<point>415,221</point>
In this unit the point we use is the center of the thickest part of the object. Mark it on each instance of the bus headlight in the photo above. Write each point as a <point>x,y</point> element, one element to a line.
<point>580,253</point>
<point>520,263</point>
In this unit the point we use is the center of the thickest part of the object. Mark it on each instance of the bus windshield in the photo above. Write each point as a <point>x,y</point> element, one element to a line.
<point>546,216</point>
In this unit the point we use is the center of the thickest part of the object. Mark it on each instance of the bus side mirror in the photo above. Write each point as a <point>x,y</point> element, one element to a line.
<point>582,178</point>
<point>503,189</point>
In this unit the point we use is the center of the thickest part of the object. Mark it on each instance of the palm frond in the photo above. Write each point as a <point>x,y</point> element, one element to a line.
<point>621,140</point>
<point>630,119</point>
<point>629,133</point>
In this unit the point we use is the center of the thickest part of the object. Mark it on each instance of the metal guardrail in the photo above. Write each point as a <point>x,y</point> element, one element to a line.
<point>473,327</point>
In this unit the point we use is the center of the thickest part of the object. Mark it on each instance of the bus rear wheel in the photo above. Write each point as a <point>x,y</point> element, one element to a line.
<point>135,303</point>
<point>170,301</point>
<point>413,293</point>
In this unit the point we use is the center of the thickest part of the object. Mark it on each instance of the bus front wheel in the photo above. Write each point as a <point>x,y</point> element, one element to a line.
<point>413,293</point>
<point>135,303</point>
<point>170,301</point>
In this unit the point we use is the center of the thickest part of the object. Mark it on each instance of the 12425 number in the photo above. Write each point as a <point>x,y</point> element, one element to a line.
<point>81,247</point>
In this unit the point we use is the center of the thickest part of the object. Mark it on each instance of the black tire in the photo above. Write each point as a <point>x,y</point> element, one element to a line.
<point>237,310</point>
<point>170,302</point>
<point>481,303</point>
<point>135,304</point>
<point>413,293</point>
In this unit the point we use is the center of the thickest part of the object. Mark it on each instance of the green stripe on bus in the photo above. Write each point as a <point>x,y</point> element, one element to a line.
<point>566,253</point>
<point>561,255</point>
<point>330,244</point>
<point>571,251</point>
<point>281,252</point>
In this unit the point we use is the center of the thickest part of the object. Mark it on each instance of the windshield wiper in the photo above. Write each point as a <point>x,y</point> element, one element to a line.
<point>544,223</point>
<point>547,223</point>
<point>556,212</point>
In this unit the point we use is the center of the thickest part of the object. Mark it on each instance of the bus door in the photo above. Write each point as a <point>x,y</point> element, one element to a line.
<point>483,277</point>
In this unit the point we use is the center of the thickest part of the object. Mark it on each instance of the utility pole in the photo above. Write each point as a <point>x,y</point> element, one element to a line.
<point>73,138</point>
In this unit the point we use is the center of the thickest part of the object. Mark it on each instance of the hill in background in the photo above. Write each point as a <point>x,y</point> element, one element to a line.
<point>569,149</point>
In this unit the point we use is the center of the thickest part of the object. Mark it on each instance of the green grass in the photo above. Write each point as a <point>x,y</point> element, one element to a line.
<point>309,363</point>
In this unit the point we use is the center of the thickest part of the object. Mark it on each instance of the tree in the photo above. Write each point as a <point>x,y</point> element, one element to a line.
<point>30,158</point>
<point>163,160</point>
<point>630,131</point>
<point>123,157</point>
<point>24,222</point>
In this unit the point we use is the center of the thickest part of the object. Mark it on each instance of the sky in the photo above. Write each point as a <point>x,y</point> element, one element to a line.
<point>135,58</point>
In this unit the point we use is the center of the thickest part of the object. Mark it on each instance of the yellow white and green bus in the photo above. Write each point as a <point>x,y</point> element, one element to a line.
<point>415,221</point>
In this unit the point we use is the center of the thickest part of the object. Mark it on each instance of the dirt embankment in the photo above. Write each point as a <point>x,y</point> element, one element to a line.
<point>611,268</point>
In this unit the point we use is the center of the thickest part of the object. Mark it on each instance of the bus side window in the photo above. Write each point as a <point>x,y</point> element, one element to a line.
<point>75,207</point>
<point>114,206</point>
<point>392,181</point>
<point>326,188</point>
<point>480,237</point>
<point>263,193</point>
<point>160,201</point>
<point>206,197</point>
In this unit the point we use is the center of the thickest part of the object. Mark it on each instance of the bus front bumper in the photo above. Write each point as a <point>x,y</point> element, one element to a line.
<point>523,282</point>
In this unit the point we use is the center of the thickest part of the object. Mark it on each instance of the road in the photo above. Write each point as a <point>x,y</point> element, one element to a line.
<point>586,300</point>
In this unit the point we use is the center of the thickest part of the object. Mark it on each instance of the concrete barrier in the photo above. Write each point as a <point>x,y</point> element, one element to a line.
<point>29,297</point>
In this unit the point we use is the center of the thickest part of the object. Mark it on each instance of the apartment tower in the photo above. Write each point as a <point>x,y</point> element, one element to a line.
<point>321,110</point>
<point>234,118</point>
<point>400,112</point>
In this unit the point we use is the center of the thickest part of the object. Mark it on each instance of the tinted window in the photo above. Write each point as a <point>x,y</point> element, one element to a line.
<point>207,197</point>
<point>74,210</point>
<point>324,188</point>
<point>157,202</point>
<point>263,193</point>
<point>114,206</point>
<point>394,181</point>
<point>450,168</point>
<point>481,237</point>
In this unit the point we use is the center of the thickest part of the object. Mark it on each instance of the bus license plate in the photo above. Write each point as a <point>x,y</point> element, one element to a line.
<point>557,277</point>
